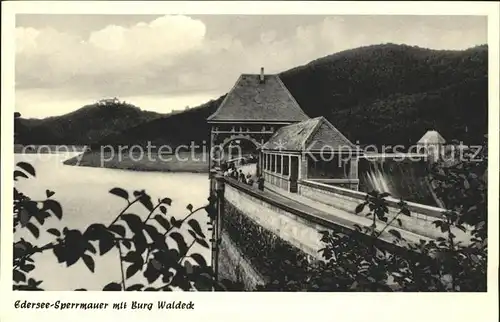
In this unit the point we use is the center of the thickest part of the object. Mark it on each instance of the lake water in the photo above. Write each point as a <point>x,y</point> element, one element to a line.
<point>84,196</point>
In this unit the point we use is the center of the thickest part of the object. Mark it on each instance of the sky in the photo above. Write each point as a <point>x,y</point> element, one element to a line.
<point>166,62</point>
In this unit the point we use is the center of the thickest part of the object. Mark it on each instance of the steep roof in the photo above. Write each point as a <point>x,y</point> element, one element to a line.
<point>310,135</point>
<point>432,137</point>
<point>252,100</point>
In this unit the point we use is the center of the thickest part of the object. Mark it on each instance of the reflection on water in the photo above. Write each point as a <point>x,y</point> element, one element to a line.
<point>407,179</point>
<point>84,195</point>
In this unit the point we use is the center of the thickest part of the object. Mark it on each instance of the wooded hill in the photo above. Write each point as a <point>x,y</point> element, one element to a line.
<point>380,94</point>
<point>84,126</point>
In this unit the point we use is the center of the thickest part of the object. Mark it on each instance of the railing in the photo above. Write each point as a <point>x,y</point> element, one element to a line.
<point>346,181</point>
<point>307,215</point>
<point>415,208</point>
<point>270,199</point>
<point>242,132</point>
<point>393,155</point>
<point>275,174</point>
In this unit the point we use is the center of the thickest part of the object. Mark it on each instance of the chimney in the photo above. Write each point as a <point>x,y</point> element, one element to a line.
<point>262,74</point>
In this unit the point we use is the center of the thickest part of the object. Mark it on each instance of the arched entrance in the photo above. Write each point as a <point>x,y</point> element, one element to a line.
<point>240,137</point>
<point>239,151</point>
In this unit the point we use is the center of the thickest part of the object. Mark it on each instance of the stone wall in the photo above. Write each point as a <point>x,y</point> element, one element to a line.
<point>265,238</point>
<point>420,221</point>
<point>253,255</point>
<point>290,227</point>
<point>276,181</point>
<point>235,267</point>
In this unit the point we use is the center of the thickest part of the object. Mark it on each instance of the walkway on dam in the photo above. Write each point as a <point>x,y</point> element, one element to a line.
<point>338,216</point>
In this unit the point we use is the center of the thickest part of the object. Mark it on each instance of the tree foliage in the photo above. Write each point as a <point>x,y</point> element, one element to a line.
<point>155,247</point>
<point>392,94</point>
<point>85,125</point>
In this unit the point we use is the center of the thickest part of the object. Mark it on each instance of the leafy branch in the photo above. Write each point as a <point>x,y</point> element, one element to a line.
<point>132,236</point>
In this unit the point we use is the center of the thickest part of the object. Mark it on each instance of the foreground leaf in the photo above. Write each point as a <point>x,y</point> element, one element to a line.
<point>199,259</point>
<point>132,270</point>
<point>112,287</point>
<point>119,192</point>
<point>27,167</point>
<point>196,227</point>
<point>89,261</point>
<point>395,233</point>
<point>53,206</point>
<point>33,229</point>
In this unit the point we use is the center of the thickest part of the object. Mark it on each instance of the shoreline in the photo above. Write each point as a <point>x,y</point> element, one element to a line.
<point>112,167</point>
<point>48,149</point>
<point>124,162</point>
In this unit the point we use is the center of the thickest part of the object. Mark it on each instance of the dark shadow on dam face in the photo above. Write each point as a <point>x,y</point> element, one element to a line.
<point>402,178</point>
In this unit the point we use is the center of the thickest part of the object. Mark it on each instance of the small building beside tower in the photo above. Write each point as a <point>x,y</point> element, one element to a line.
<point>431,144</point>
<point>290,145</point>
<point>312,150</point>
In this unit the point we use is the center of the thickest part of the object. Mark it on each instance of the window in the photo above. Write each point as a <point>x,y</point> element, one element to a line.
<point>278,163</point>
<point>286,160</point>
<point>337,168</point>
<point>273,162</point>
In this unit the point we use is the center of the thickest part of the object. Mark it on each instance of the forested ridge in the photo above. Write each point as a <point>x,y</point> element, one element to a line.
<point>86,125</point>
<point>380,94</point>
